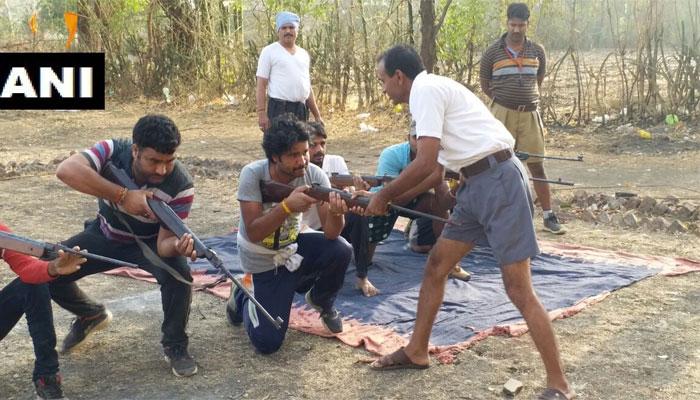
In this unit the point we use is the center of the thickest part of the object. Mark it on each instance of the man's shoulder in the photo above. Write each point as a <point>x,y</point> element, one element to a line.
<point>269,47</point>
<point>496,45</point>
<point>315,170</point>
<point>394,149</point>
<point>335,158</point>
<point>255,165</point>
<point>538,47</point>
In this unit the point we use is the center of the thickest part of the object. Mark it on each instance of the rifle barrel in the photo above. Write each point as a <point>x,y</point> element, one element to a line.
<point>172,221</point>
<point>96,257</point>
<point>523,155</point>
<point>558,181</point>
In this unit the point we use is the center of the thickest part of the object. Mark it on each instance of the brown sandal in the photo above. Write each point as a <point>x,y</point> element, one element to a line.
<point>395,360</point>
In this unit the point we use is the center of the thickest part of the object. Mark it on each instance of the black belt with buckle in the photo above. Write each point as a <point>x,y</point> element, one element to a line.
<point>517,107</point>
<point>484,164</point>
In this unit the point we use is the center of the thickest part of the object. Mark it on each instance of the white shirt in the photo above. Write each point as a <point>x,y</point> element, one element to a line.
<point>332,164</point>
<point>287,74</point>
<point>445,109</point>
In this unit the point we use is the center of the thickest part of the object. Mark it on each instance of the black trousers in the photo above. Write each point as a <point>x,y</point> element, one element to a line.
<point>276,107</point>
<point>34,301</point>
<point>176,296</point>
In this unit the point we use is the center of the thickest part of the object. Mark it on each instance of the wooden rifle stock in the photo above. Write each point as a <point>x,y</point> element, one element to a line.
<point>49,251</point>
<point>275,192</point>
<point>172,222</point>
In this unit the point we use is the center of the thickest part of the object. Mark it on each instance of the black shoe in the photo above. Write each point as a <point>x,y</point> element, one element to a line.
<point>234,317</point>
<point>330,317</point>
<point>551,224</point>
<point>82,327</point>
<point>49,387</point>
<point>180,360</point>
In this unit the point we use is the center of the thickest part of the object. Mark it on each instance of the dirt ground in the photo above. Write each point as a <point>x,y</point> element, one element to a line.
<point>640,343</point>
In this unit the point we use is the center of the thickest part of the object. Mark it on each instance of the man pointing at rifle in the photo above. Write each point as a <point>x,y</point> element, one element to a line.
<point>455,130</point>
<point>125,223</point>
<point>282,260</point>
<point>29,295</point>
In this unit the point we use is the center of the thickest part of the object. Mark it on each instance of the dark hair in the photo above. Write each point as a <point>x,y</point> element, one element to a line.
<point>404,58</point>
<point>317,129</point>
<point>518,10</point>
<point>284,132</point>
<point>157,132</point>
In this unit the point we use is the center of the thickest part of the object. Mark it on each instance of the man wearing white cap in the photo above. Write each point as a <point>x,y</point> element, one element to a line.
<point>283,73</point>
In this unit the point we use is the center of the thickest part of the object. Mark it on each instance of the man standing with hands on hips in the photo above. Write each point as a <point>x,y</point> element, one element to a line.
<point>455,130</point>
<point>511,73</point>
<point>283,73</point>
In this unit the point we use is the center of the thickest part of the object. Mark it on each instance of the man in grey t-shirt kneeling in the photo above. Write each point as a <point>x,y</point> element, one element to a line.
<point>282,260</point>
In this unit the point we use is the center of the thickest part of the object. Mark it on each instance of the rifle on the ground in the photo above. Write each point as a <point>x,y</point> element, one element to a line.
<point>49,251</point>
<point>342,180</point>
<point>522,155</point>
<point>276,192</point>
<point>449,174</point>
<point>172,222</point>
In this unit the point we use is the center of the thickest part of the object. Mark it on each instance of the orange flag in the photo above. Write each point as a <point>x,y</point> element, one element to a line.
<point>32,23</point>
<point>71,19</point>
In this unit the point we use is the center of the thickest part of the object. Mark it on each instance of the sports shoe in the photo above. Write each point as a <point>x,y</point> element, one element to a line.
<point>330,318</point>
<point>81,327</point>
<point>180,360</point>
<point>49,387</point>
<point>551,224</point>
<point>458,273</point>
<point>234,317</point>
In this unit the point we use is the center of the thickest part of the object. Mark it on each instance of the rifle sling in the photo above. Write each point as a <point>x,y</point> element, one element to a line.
<point>155,259</point>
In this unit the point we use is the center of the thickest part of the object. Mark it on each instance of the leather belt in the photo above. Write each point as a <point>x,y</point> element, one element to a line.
<point>484,164</point>
<point>517,107</point>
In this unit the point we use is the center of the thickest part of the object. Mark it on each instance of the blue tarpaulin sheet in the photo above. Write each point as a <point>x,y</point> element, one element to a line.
<point>468,307</point>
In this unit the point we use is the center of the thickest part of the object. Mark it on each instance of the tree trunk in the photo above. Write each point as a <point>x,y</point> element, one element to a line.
<point>428,50</point>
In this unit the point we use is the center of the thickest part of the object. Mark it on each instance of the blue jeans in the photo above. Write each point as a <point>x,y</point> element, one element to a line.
<point>34,301</point>
<point>322,271</point>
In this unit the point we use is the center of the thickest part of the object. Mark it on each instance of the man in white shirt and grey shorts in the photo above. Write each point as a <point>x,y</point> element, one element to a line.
<point>455,130</point>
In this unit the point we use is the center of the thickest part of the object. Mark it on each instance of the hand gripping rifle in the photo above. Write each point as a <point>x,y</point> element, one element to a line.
<point>172,222</point>
<point>276,192</point>
<point>49,251</point>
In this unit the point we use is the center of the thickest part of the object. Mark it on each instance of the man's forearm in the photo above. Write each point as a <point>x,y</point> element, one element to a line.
<point>411,177</point>
<point>86,180</point>
<point>333,226</point>
<point>260,96</point>
<point>311,104</point>
<point>433,180</point>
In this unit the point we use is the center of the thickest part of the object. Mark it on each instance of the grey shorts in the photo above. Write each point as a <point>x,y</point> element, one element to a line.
<point>494,208</point>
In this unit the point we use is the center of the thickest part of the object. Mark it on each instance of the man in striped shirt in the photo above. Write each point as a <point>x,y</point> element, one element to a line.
<point>511,73</point>
<point>149,159</point>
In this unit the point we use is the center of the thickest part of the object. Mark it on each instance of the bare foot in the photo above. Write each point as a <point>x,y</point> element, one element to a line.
<point>368,290</point>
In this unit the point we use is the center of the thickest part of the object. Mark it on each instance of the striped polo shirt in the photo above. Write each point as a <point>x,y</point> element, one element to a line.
<point>513,78</point>
<point>177,190</point>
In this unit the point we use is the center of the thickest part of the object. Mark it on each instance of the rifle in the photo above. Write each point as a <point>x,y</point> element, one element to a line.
<point>275,192</point>
<point>449,174</point>
<point>522,155</point>
<point>341,181</point>
<point>49,251</point>
<point>172,222</point>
